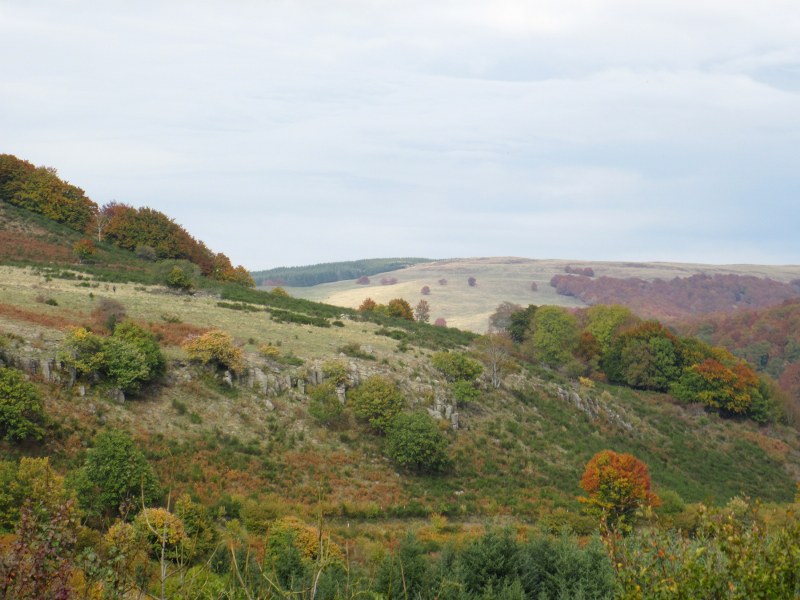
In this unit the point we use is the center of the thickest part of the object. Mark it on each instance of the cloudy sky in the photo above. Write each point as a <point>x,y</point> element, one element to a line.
<point>293,132</point>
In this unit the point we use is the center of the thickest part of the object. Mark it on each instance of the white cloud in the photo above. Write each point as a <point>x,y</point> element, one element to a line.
<point>374,125</point>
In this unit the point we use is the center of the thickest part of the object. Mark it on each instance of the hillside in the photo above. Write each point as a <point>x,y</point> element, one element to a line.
<point>285,436</point>
<point>311,275</point>
<point>509,280</point>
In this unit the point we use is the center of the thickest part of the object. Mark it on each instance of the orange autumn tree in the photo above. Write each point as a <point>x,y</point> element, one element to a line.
<point>617,485</point>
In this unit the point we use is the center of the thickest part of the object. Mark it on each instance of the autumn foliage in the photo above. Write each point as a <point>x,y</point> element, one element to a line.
<point>617,485</point>
<point>678,297</point>
<point>40,190</point>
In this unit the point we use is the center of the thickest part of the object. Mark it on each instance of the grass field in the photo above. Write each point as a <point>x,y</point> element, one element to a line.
<point>505,279</point>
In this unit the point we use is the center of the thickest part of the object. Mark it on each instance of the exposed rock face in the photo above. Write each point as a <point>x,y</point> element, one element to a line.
<point>441,409</point>
<point>594,407</point>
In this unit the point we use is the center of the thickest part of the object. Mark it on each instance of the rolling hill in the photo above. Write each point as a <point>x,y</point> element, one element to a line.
<point>507,279</point>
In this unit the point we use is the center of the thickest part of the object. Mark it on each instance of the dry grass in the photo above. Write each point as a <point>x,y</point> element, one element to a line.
<point>505,279</point>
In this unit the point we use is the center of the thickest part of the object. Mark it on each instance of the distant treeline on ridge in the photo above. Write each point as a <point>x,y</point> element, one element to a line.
<point>329,272</point>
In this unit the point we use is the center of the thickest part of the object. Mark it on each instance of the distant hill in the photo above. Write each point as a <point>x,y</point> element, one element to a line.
<point>311,275</point>
<point>528,281</point>
<point>679,296</point>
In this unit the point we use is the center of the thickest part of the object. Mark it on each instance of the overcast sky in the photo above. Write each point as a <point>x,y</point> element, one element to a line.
<point>297,132</point>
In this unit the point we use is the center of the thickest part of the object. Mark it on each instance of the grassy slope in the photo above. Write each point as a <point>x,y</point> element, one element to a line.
<point>522,452</point>
<point>506,279</point>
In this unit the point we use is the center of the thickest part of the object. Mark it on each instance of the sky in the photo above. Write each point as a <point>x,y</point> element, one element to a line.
<point>297,132</point>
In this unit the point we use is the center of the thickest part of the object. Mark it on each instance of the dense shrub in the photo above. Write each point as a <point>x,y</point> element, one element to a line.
<point>116,477</point>
<point>456,366</point>
<point>21,408</point>
<point>129,358</point>
<point>378,401</point>
<point>415,442</point>
<point>217,349</point>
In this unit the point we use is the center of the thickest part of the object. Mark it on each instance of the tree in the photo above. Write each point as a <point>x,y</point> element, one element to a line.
<point>519,322</point>
<point>500,319</point>
<point>378,401</point>
<point>606,321</point>
<point>368,305</point>
<point>494,349</point>
<point>554,335</point>
<point>363,280</point>
<point>401,309</point>
<point>456,366</point>
<point>722,382</point>
<point>405,573</point>
<point>472,282</point>
<point>84,249</point>
<point>534,286</point>
<point>422,311</point>
<point>415,442</point>
<point>440,322</point>
<point>141,343</point>
<point>21,408</point>
<point>647,356</point>
<point>179,279</point>
<point>116,477</point>
<point>215,348</point>
<point>442,281</point>
<point>617,485</point>
<point>426,290</point>
<point>102,216</point>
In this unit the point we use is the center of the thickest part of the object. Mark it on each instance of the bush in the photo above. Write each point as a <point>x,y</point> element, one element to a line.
<point>132,357</point>
<point>456,366</point>
<point>215,348</point>
<point>21,409</point>
<point>129,358</point>
<point>116,477</point>
<point>415,442</point>
<point>325,406</point>
<point>378,401</point>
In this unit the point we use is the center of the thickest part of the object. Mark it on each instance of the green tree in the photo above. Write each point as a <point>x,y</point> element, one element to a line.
<point>456,366</point>
<point>606,321</point>
<point>115,477</point>
<point>146,343</point>
<point>519,323</point>
<point>554,336</point>
<point>21,408</point>
<point>405,572</point>
<point>180,278</point>
<point>415,442</point>
<point>647,356</point>
<point>378,401</point>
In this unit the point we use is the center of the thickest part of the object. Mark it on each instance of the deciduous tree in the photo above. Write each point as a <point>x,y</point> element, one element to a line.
<point>617,486</point>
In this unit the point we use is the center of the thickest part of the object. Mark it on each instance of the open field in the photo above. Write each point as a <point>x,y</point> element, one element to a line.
<point>506,279</point>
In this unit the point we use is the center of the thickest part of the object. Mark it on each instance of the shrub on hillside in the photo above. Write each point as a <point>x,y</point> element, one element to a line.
<point>378,401</point>
<point>216,349</point>
<point>21,408</point>
<point>129,358</point>
<point>115,477</point>
<point>415,442</point>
